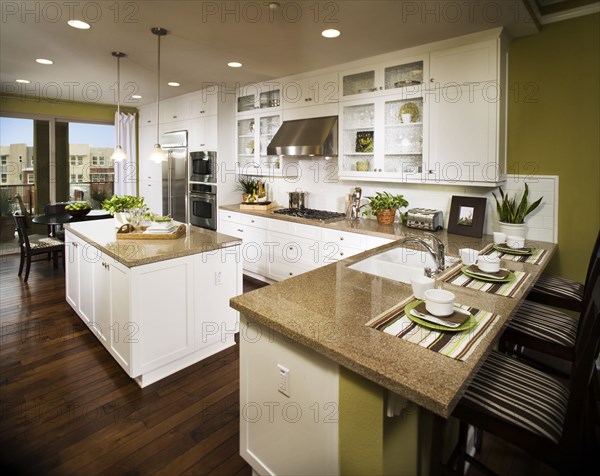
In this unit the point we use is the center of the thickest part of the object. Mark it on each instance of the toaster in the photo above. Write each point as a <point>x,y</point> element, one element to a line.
<point>425,219</point>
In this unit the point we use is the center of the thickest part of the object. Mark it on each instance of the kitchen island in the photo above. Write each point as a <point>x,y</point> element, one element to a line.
<point>157,306</point>
<point>305,344</point>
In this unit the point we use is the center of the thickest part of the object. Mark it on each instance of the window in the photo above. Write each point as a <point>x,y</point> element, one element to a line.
<point>30,179</point>
<point>79,178</point>
<point>80,160</point>
<point>73,160</point>
<point>73,178</point>
<point>3,178</point>
<point>94,160</point>
<point>101,161</point>
<point>3,159</point>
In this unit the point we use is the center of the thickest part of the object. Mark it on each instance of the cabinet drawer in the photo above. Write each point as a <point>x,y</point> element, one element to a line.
<point>333,252</point>
<point>225,215</point>
<point>252,220</point>
<point>293,249</point>
<point>279,270</point>
<point>295,229</point>
<point>353,240</point>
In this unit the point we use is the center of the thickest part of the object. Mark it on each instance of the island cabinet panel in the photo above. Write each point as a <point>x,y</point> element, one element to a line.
<point>162,306</point>
<point>123,330</point>
<point>286,427</point>
<point>252,231</point>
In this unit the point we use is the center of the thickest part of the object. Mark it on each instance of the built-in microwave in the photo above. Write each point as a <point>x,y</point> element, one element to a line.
<point>203,167</point>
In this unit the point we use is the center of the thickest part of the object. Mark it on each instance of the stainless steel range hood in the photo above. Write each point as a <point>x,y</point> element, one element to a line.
<point>317,136</point>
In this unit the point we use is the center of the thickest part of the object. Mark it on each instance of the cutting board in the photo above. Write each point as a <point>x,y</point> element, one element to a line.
<point>257,206</point>
<point>128,232</point>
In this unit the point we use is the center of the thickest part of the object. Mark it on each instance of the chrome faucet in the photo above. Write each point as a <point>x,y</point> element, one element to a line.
<point>435,249</point>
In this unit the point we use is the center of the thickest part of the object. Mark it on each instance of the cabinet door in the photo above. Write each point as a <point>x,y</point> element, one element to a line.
<point>174,110</point>
<point>147,115</point>
<point>357,155</point>
<point>102,300</point>
<point>204,103</point>
<point>358,81</point>
<point>466,64</point>
<point>72,270</point>
<point>148,169</point>
<point>311,91</point>
<point>88,259</point>
<point>463,135</point>
<point>123,332</point>
<point>152,193</point>
<point>254,252</point>
<point>404,76</point>
<point>203,133</point>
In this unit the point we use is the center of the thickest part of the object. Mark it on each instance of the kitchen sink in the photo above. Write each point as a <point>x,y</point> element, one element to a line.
<point>399,264</point>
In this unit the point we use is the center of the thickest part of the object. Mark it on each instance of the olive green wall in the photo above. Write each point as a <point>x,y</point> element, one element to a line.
<point>72,110</point>
<point>554,123</point>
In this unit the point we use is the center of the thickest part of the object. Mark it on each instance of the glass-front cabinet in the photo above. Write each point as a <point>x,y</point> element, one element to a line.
<point>254,97</point>
<point>384,78</point>
<point>254,133</point>
<point>383,137</point>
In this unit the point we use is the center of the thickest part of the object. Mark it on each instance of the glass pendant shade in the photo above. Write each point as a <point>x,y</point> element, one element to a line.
<point>119,154</point>
<point>158,154</point>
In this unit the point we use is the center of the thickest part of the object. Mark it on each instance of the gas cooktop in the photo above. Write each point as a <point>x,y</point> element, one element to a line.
<point>311,214</point>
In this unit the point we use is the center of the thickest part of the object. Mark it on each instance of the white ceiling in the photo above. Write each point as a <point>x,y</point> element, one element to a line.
<point>205,35</point>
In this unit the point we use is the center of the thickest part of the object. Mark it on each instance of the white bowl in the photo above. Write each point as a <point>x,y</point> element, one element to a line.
<point>488,264</point>
<point>515,242</point>
<point>161,225</point>
<point>439,302</point>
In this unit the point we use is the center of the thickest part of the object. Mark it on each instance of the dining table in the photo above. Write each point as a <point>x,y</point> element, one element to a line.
<point>53,220</point>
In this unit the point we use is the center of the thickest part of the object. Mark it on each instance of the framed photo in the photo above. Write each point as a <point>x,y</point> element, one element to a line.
<point>467,215</point>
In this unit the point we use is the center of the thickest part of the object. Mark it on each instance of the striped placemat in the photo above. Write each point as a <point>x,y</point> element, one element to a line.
<point>456,345</point>
<point>458,278</point>
<point>536,258</point>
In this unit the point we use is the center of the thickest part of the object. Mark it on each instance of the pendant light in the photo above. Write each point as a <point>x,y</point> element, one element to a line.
<point>119,154</point>
<point>158,154</point>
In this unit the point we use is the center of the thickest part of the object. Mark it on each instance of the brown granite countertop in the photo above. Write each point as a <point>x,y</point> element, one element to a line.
<point>102,235</point>
<point>327,310</point>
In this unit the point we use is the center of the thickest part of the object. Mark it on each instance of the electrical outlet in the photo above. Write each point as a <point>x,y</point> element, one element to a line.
<point>284,380</point>
<point>218,278</point>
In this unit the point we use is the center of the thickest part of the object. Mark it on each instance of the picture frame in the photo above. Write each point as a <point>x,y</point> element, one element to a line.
<point>467,216</point>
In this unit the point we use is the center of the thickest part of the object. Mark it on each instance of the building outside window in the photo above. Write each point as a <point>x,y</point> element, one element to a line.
<point>3,178</point>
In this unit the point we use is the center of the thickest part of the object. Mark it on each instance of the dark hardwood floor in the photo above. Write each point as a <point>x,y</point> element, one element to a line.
<point>66,407</point>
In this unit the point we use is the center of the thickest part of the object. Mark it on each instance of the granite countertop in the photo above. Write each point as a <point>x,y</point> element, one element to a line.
<point>102,235</point>
<point>327,310</point>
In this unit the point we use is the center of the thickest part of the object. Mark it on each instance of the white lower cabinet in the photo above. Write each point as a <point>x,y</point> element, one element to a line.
<point>280,249</point>
<point>157,318</point>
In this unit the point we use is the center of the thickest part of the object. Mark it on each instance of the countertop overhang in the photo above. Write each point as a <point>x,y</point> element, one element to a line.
<point>102,235</point>
<point>327,310</point>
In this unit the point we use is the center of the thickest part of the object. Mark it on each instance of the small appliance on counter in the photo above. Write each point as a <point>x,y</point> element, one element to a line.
<point>425,219</point>
<point>297,199</point>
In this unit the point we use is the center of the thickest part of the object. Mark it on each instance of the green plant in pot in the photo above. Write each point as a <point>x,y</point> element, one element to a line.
<point>512,212</point>
<point>384,206</point>
<point>117,206</point>
<point>248,186</point>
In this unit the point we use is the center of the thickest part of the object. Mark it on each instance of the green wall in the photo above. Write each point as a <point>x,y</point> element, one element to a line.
<point>554,123</point>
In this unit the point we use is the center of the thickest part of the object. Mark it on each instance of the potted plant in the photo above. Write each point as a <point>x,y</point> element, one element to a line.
<point>118,205</point>
<point>250,147</point>
<point>384,206</point>
<point>512,212</point>
<point>248,186</point>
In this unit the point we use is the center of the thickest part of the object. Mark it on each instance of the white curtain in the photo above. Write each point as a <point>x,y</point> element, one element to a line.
<point>125,172</point>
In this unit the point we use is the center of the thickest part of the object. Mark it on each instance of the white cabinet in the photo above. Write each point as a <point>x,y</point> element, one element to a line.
<point>259,96</point>
<point>313,91</point>
<point>467,130</point>
<point>204,103</point>
<point>148,169</point>
<point>383,137</point>
<point>151,190</point>
<point>202,133</point>
<point>147,115</point>
<point>254,133</point>
<point>177,109</point>
<point>252,231</point>
<point>158,318</point>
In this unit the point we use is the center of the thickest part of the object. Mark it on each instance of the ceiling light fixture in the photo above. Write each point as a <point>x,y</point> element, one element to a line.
<point>173,83</point>
<point>331,33</point>
<point>44,61</point>
<point>136,96</point>
<point>158,154</point>
<point>80,25</point>
<point>119,154</point>
<point>234,64</point>
<point>22,81</point>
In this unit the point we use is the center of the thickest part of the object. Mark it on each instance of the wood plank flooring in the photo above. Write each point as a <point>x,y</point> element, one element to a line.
<point>66,407</point>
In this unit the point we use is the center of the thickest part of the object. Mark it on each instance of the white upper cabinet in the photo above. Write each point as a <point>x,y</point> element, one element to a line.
<point>313,91</point>
<point>172,110</point>
<point>466,64</point>
<point>205,103</point>
<point>147,115</point>
<point>259,97</point>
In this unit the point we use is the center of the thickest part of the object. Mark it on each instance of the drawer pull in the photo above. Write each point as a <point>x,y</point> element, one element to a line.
<point>341,238</point>
<point>342,254</point>
<point>291,274</point>
<point>241,231</point>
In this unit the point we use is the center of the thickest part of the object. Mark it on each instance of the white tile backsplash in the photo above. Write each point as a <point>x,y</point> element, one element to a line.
<point>327,192</point>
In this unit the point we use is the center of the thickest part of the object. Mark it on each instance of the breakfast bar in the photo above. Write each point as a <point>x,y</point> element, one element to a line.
<point>325,324</point>
<point>157,305</point>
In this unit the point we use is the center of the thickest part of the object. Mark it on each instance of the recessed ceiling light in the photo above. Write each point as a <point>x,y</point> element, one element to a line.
<point>136,96</point>
<point>44,61</point>
<point>234,64</point>
<point>331,33</point>
<point>173,83</point>
<point>23,81</point>
<point>80,25</point>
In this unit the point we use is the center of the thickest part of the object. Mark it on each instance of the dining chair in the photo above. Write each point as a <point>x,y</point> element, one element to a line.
<point>56,209</point>
<point>547,330</point>
<point>561,292</point>
<point>531,409</point>
<point>33,245</point>
<point>31,227</point>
